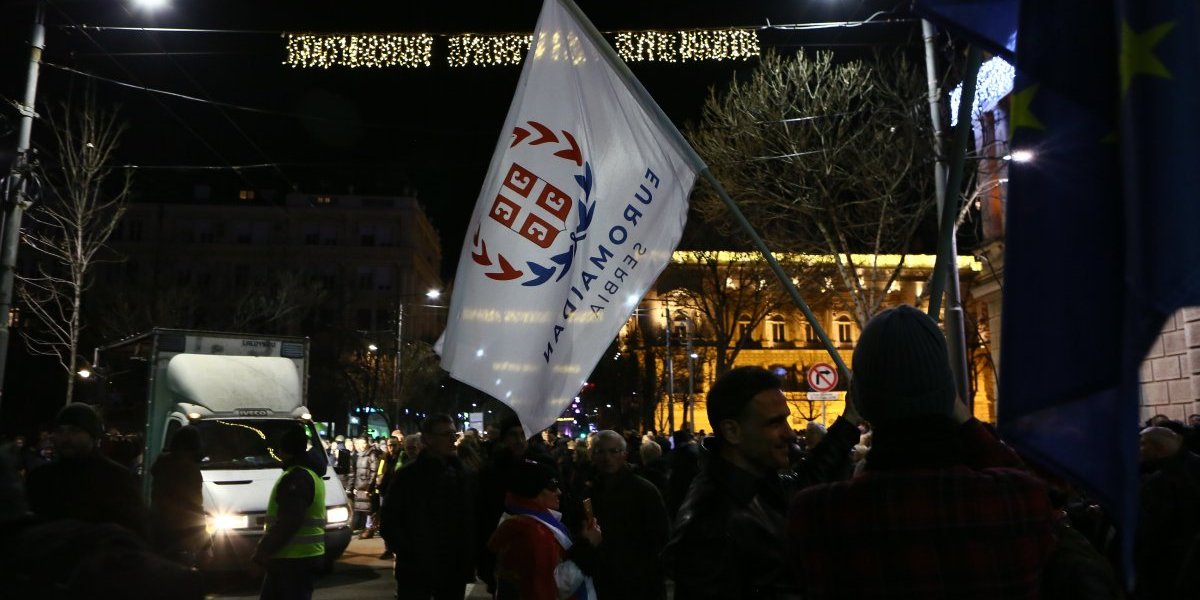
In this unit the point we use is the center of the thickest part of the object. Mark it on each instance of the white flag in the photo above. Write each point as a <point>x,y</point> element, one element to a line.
<point>584,201</point>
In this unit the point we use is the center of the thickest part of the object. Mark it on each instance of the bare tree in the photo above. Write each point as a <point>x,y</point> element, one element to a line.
<point>733,293</point>
<point>79,210</point>
<point>825,158</point>
<point>270,303</point>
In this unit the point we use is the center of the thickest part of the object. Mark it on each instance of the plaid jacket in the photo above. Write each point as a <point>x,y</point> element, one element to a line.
<point>980,529</point>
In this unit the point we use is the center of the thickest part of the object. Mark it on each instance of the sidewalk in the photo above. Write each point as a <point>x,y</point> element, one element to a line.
<point>365,553</point>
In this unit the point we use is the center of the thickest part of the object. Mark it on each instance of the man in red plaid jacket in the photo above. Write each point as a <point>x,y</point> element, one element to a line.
<point>942,509</point>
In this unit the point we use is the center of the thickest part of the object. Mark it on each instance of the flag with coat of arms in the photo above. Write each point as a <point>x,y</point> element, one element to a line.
<point>584,202</point>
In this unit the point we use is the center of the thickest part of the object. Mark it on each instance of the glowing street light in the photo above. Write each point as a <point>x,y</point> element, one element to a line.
<point>151,4</point>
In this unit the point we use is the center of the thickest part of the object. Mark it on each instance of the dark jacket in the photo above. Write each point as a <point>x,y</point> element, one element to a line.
<point>635,527</point>
<point>429,506</point>
<point>1169,527</point>
<point>90,488</point>
<point>730,538</point>
<point>177,505</point>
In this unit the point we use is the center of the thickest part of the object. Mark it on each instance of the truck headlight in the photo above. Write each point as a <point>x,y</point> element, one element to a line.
<point>224,522</point>
<point>335,515</point>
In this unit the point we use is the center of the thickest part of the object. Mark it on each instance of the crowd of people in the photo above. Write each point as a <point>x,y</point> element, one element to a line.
<point>905,495</point>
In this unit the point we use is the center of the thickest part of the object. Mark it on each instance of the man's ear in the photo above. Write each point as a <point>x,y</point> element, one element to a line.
<point>731,431</point>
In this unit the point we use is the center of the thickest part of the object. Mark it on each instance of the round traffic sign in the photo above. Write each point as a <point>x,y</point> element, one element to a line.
<point>822,377</point>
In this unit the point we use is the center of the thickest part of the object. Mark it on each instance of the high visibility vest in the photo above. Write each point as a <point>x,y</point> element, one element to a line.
<point>309,539</point>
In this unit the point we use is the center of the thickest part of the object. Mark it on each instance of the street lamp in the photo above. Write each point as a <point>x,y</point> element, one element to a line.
<point>15,193</point>
<point>431,294</point>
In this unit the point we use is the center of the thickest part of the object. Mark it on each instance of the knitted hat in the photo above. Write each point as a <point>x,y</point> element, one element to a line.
<point>293,441</point>
<point>528,478</point>
<point>901,368</point>
<point>82,416</point>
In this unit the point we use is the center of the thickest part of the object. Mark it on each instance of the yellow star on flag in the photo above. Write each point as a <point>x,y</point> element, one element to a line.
<point>1020,114</point>
<point>1137,53</point>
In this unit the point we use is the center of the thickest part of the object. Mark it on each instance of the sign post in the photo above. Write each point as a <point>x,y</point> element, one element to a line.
<point>822,378</point>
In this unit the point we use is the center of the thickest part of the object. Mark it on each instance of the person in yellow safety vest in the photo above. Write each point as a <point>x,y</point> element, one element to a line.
<point>293,546</point>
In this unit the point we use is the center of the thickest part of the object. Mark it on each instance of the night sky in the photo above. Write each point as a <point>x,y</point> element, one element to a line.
<point>429,130</point>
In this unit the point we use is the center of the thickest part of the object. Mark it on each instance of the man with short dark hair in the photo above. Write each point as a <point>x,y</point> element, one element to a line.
<point>428,507</point>
<point>729,538</point>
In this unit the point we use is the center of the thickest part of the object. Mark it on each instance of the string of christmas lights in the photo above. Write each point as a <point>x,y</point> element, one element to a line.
<point>683,46</point>
<point>487,50</point>
<point>371,51</point>
<point>469,50</point>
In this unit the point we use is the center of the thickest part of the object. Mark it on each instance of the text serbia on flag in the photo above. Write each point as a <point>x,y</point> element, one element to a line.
<point>584,201</point>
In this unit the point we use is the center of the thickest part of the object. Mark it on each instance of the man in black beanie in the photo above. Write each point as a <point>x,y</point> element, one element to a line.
<point>942,509</point>
<point>81,483</point>
<point>729,539</point>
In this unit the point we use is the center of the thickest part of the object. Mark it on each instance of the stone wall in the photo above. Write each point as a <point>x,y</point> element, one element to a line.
<point>1170,375</point>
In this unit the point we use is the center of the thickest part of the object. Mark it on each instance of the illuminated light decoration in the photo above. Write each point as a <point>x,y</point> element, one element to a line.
<point>681,46</point>
<point>383,50</point>
<point>995,81</point>
<point>647,46</point>
<point>487,50</point>
<point>372,51</point>
<point>718,44</point>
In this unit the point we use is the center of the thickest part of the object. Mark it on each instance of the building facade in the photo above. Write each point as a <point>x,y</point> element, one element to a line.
<point>764,328</point>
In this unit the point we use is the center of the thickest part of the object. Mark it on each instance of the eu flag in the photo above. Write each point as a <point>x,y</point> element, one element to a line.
<point>1102,241</point>
<point>990,23</point>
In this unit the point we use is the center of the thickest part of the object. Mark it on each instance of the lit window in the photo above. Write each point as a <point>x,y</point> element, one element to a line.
<point>324,200</point>
<point>246,194</point>
<point>845,329</point>
<point>778,332</point>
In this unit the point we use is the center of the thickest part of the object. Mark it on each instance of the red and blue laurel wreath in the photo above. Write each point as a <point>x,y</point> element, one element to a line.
<point>559,263</point>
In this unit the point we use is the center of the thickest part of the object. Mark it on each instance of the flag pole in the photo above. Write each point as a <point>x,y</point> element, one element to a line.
<point>685,149</point>
<point>945,269</point>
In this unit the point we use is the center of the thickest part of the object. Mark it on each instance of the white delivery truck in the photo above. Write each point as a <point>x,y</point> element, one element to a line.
<point>240,392</point>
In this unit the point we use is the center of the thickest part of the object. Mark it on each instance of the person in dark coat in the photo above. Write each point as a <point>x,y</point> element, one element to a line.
<point>684,463</point>
<point>177,499</point>
<point>82,484</point>
<point>631,513</point>
<point>730,539</point>
<point>68,558</point>
<point>654,467</point>
<point>1168,534</point>
<point>942,509</point>
<point>428,508</point>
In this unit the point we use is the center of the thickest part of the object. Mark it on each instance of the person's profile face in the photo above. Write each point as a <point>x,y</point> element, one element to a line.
<point>765,432</point>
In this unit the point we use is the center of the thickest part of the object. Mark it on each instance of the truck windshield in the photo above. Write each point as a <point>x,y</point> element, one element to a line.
<point>249,443</point>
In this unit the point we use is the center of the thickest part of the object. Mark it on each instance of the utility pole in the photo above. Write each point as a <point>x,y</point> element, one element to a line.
<point>396,365</point>
<point>670,367</point>
<point>16,189</point>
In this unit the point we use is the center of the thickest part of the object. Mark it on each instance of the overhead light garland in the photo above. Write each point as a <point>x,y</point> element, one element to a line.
<point>469,50</point>
<point>487,50</point>
<point>683,46</point>
<point>372,51</point>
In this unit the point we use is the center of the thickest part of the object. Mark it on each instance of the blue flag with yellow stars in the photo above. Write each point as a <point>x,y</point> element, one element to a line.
<point>1103,230</point>
<point>990,23</point>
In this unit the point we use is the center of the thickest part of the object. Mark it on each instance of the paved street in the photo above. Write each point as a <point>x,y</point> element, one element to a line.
<point>357,576</point>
